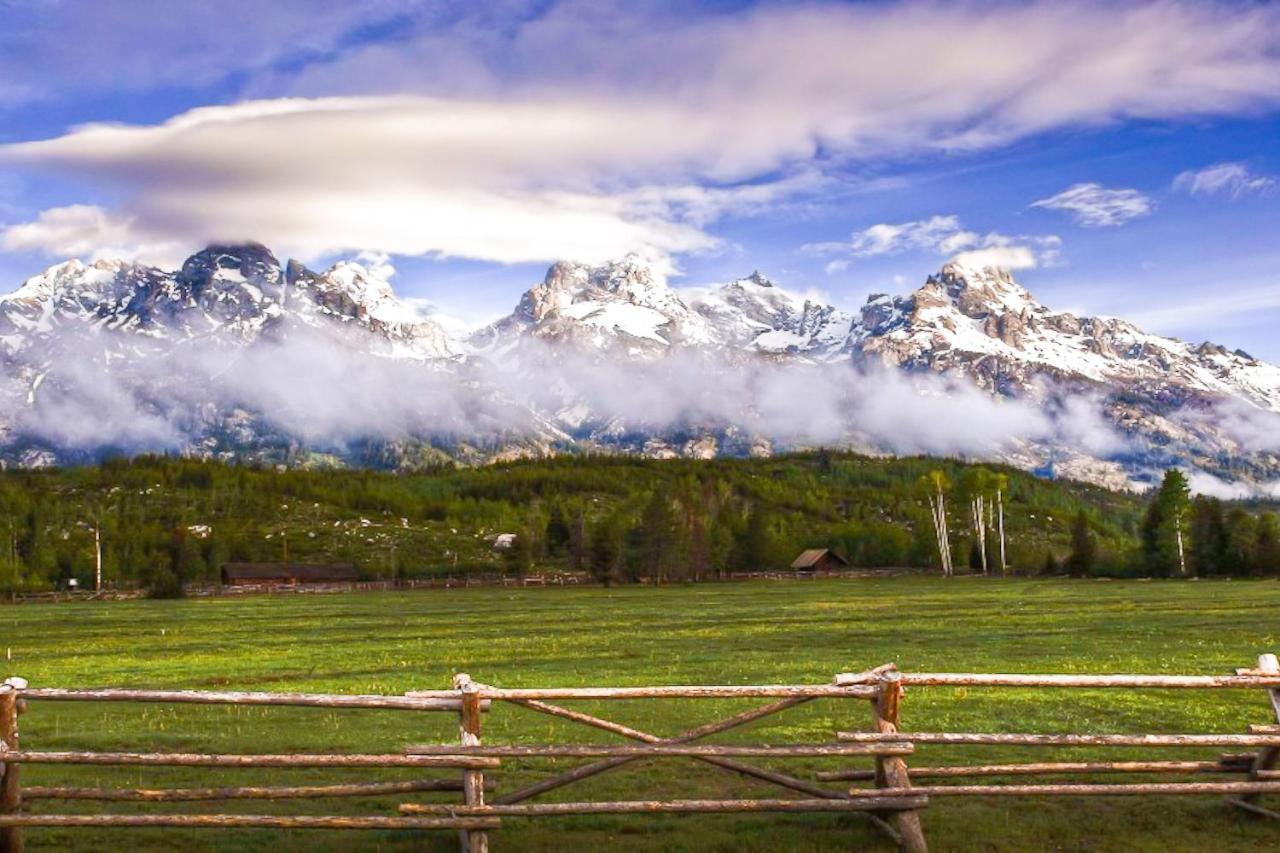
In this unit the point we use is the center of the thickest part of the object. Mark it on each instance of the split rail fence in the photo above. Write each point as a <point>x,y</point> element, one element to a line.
<point>893,801</point>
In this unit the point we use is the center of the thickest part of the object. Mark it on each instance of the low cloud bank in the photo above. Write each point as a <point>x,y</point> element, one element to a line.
<point>104,391</point>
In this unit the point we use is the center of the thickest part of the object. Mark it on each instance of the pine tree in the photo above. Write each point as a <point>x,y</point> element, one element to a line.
<point>1240,551</point>
<point>658,538</point>
<point>1266,555</point>
<point>578,541</point>
<point>558,534</point>
<point>605,551</point>
<point>1084,550</point>
<point>1208,536</point>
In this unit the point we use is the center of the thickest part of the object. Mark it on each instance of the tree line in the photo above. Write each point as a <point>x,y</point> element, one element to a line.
<point>162,523</point>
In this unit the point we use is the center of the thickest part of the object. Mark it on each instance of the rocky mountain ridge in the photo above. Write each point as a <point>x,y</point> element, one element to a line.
<point>543,379</point>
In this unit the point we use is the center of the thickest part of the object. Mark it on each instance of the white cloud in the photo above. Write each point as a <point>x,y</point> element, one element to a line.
<point>943,236</point>
<point>558,134</point>
<point>1231,179</point>
<point>1008,257</point>
<point>937,233</point>
<point>378,264</point>
<point>1095,206</point>
<point>86,230</point>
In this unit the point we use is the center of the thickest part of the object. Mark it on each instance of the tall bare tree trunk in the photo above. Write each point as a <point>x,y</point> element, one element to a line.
<point>1004,566</point>
<point>938,513</point>
<point>1182,557</point>
<point>97,558</point>
<point>980,530</point>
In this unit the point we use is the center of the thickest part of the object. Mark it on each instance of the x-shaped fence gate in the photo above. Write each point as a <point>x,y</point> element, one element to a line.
<point>880,685</point>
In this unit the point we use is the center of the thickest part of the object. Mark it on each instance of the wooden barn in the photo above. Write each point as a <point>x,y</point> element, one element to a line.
<point>287,574</point>
<point>819,560</point>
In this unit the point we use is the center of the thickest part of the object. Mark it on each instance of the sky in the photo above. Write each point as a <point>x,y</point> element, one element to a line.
<point>1122,157</point>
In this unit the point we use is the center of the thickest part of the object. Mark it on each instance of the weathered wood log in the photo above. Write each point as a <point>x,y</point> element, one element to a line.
<point>1266,758</point>
<point>204,697</point>
<point>579,717</point>
<point>472,780</point>
<point>597,767</point>
<point>10,787</point>
<point>891,772</point>
<point>1253,807</point>
<point>1082,789</point>
<point>244,820</point>
<point>974,679</point>
<point>1046,769</point>
<point>1020,739</point>
<point>669,806</point>
<point>656,750</point>
<point>184,759</point>
<point>577,774</point>
<point>167,795</point>
<point>813,691</point>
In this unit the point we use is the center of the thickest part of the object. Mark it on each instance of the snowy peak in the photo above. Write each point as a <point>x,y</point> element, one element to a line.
<point>981,322</point>
<point>755,314</point>
<point>626,307</point>
<point>979,291</point>
<point>229,293</point>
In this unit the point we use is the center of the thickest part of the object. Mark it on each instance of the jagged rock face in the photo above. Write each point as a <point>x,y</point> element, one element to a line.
<point>127,322</point>
<point>981,322</point>
<point>225,293</point>
<point>626,309</point>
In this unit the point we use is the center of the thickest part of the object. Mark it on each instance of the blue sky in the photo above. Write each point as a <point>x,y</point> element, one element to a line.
<point>1123,156</point>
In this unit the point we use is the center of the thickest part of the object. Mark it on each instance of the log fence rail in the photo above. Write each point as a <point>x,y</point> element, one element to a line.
<point>894,801</point>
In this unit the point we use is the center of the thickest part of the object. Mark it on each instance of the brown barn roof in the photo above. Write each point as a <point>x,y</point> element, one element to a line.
<point>811,557</point>
<point>304,572</point>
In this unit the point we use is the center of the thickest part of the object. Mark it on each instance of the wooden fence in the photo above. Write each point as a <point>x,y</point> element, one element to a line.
<point>892,800</point>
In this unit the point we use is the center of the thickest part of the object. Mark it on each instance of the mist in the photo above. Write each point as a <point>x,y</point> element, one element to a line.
<point>325,391</point>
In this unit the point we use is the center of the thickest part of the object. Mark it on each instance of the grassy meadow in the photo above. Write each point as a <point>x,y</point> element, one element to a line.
<point>735,633</point>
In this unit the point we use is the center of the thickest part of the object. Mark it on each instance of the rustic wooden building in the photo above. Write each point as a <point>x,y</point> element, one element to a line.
<point>819,560</point>
<point>287,574</point>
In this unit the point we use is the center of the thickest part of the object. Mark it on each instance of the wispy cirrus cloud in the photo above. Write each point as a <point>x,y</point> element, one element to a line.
<point>943,236</point>
<point>1229,179</point>
<point>1095,206</point>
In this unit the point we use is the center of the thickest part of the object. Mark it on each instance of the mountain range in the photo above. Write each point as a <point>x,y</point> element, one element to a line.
<point>236,355</point>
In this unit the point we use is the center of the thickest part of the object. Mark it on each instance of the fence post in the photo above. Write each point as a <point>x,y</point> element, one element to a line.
<point>891,771</point>
<point>475,840</point>
<point>1266,757</point>
<point>10,792</point>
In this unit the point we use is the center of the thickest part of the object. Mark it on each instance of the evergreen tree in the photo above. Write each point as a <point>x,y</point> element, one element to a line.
<point>1240,551</point>
<point>1208,536</point>
<point>578,541</point>
<point>659,538</point>
<point>558,535</point>
<point>1164,548</point>
<point>1266,555</point>
<point>605,552</point>
<point>518,557</point>
<point>1084,549</point>
<point>755,549</point>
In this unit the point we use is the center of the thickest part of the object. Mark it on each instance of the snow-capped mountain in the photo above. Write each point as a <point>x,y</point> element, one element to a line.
<point>235,355</point>
<point>227,293</point>
<point>982,322</point>
<point>627,309</point>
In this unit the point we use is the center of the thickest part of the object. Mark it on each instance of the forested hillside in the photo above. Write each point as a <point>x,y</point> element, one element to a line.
<point>162,521</point>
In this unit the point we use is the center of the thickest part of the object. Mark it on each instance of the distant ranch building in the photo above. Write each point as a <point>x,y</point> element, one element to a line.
<point>819,560</point>
<point>287,574</point>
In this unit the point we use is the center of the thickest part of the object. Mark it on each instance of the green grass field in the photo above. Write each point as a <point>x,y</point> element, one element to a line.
<point>796,632</point>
